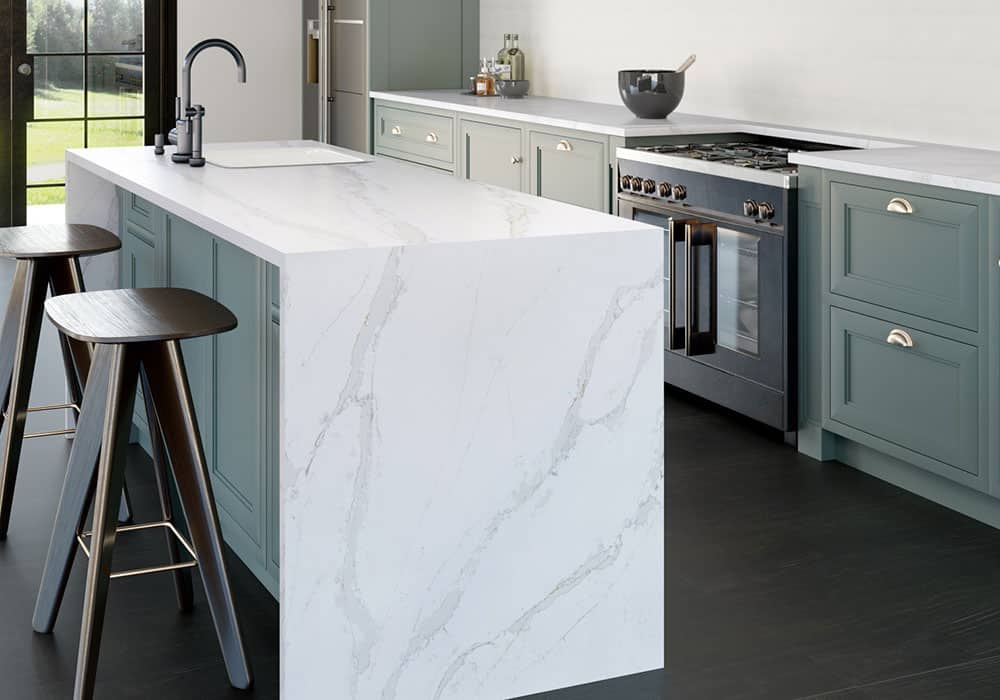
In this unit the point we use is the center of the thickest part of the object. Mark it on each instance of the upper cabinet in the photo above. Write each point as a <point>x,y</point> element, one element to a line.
<point>423,44</point>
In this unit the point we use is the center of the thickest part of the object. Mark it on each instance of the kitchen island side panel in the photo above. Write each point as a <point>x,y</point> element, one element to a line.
<point>472,470</point>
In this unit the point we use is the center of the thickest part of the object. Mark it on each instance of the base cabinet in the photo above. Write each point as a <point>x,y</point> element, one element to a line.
<point>568,166</point>
<point>233,376</point>
<point>492,154</point>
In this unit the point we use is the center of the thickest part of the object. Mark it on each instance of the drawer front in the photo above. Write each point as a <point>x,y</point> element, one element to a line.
<point>139,211</point>
<point>924,262</point>
<point>924,398</point>
<point>570,169</point>
<point>492,154</point>
<point>402,131</point>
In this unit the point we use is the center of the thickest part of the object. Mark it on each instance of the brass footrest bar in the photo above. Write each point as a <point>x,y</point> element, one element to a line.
<point>149,569</point>
<point>53,407</point>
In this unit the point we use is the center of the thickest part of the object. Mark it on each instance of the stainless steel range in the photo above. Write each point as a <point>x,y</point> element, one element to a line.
<point>727,204</point>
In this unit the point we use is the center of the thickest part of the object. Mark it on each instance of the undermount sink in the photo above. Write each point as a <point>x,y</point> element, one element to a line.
<point>282,157</point>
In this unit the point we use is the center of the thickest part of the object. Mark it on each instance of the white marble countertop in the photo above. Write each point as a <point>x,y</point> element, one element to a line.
<point>613,120</point>
<point>969,169</point>
<point>276,212</point>
<point>974,170</point>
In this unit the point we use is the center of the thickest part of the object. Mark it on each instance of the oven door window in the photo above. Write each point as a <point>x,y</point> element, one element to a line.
<point>738,291</point>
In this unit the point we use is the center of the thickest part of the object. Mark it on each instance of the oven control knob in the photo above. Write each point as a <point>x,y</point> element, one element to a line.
<point>766,210</point>
<point>626,182</point>
<point>750,208</point>
<point>648,186</point>
<point>637,184</point>
<point>680,192</point>
<point>665,189</point>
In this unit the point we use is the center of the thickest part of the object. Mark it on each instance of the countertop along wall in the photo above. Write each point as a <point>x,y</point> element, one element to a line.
<point>906,69</point>
<point>270,35</point>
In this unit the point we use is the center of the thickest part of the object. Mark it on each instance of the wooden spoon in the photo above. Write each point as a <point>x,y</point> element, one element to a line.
<point>687,64</point>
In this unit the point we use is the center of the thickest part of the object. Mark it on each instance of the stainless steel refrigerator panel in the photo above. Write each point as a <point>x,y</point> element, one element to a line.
<point>349,121</point>
<point>349,57</point>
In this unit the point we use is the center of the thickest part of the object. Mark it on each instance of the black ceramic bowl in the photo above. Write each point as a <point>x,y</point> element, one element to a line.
<point>651,94</point>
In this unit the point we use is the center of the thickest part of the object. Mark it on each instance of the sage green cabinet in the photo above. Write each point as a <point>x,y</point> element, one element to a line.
<point>570,168</point>
<point>493,154</point>
<point>908,252</point>
<point>233,376</point>
<point>919,402</point>
<point>427,138</point>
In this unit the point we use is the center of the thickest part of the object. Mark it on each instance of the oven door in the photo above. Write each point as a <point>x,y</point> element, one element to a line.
<point>724,301</point>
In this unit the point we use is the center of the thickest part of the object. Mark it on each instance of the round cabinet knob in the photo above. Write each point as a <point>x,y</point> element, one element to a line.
<point>664,189</point>
<point>766,210</point>
<point>750,208</point>
<point>24,69</point>
<point>515,160</point>
<point>625,182</point>
<point>648,186</point>
<point>680,192</point>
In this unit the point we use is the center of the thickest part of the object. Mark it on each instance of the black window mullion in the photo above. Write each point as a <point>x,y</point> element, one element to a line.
<point>86,70</point>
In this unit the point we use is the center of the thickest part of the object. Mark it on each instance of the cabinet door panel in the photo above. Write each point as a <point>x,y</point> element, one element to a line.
<point>190,265</point>
<point>492,154</point>
<point>923,399</point>
<point>570,169</point>
<point>273,452</point>
<point>925,262</point>
<point>239,389</point>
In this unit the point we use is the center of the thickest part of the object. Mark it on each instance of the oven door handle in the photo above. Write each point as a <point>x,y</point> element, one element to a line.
<point>676,334</point>
<point>700,234</point>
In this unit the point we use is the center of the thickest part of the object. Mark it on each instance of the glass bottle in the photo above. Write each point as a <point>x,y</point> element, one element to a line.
<point>484,81</point>
<point>515,57</point>
<point>503,61</point>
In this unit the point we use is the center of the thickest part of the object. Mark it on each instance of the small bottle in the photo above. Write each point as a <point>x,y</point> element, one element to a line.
<point>485,85</point>
<point>503,61</point>
<point>515,57</point>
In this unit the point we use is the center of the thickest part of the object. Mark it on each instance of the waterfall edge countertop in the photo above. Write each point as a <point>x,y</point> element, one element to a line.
<point>469,385</point>
<point>274,212</point>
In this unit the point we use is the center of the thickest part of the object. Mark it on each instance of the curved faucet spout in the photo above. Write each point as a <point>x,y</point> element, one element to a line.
<point>237,55</point>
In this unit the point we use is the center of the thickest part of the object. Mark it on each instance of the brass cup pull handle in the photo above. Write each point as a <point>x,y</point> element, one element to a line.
<point>431,137</point>
<point>515,160</point>
<point>898,205</point>
<point>396,131</point>
<point>900,338</point>
<point>564,145</point>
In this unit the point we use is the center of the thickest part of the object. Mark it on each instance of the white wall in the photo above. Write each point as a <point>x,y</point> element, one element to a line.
<point>269,33</point>
<point>920,69</point>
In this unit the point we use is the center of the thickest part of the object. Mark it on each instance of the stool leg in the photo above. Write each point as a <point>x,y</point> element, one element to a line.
<point>66,277</point>
<point>77,493</point>
<point>26,347</point>
<point>110,476</point>
<point>9,333</point>
<point>164,366</point>
<point>182,577</point>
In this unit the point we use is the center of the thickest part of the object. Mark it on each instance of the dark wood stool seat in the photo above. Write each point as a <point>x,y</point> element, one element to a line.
<point>56,241</point>
<point>138,315</point>
<point>48,262</point>
<point>136,334</point>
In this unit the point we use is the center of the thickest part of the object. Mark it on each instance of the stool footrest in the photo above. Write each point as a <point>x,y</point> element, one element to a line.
<point>81,538</point>
<point>50,433</point>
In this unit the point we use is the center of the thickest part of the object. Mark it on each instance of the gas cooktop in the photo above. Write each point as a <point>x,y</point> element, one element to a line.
<point>738,153</point>
<point>738,156</point>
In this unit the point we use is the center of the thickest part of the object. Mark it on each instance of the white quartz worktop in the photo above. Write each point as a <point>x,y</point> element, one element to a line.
<point>613,120</point>
<point>969,169</point>
<point>470,384</point>
<point>275,212</point>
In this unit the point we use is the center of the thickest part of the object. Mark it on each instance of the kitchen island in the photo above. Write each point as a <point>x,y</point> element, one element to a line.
<point>469,394</point>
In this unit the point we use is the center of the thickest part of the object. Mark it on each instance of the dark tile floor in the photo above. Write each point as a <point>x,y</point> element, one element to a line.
<point>786,579</point>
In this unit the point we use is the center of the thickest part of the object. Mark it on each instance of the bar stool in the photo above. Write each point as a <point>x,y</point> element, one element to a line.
<point>47,257</point>
<point>137,334</point>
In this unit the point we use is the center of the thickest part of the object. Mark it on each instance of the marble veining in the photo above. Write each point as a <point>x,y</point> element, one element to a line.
<point>471,477</point>
<point>274,212</point>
